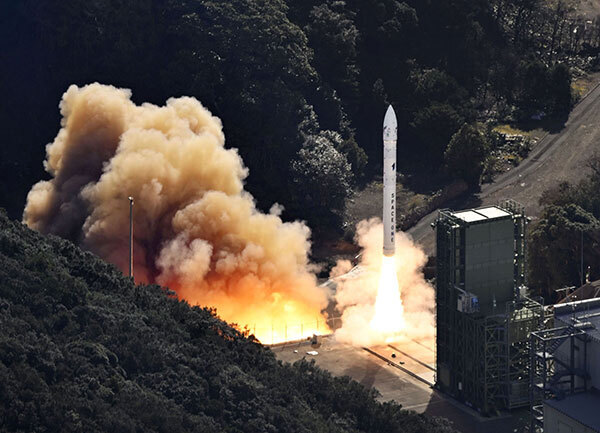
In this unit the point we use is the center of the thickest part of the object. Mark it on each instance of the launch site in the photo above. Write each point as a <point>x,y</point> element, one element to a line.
<point>274,216</point>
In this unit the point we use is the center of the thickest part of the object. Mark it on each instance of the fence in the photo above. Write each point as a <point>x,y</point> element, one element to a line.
<point>282,332</point>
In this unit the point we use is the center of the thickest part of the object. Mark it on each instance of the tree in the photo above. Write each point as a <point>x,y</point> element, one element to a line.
<point>559,89</point>
<point>277,71</point>
<point>355,155</point>
<point>554,247</point>
<point>324,174</point>
<point>466,154</point>
<point>433,85</point>
<point>333,36</point>
<point>533,94</point>
<point>435,125</point>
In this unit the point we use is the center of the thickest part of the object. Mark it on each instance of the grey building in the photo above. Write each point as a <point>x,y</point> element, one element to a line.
<point>565,381</point>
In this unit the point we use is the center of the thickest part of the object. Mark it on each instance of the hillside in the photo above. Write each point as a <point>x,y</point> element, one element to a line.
<point>83,349</point>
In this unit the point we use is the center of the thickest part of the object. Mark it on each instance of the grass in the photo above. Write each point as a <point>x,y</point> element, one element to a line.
<point>510,130</point>
<point>534,133</point>
<point>580,87</point>
<point>584,83</point>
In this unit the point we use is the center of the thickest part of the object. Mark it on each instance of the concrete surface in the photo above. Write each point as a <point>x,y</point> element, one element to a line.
<point>377,368</point>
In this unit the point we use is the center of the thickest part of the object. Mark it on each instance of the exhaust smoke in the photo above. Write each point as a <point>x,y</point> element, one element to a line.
<point>369,319</point>
<point>196,229</point>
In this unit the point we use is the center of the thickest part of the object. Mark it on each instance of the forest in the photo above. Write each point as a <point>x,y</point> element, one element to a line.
<point>301,86</point>
<point>567,233</point>
<point>84,349</point>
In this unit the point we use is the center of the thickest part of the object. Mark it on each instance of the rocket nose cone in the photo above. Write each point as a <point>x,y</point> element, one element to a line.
<point>390,125</point>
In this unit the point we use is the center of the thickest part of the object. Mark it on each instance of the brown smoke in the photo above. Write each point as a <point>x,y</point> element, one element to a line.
<point>196,229</point>
<point>356,294</point>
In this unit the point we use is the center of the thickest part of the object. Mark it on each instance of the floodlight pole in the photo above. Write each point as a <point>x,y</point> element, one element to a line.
<point>581,249</point>
<point>131,237</point>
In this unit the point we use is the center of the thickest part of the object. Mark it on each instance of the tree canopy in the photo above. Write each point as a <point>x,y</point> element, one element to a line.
<point>276,72</point>
<point>571,218</point>
<point>466,154</point>
<point>555,247</point>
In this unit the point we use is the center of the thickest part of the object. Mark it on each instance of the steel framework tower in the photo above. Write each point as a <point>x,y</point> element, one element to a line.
<point>484,318</point>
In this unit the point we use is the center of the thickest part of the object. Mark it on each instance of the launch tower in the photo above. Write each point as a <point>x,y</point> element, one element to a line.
<point>484,319</point>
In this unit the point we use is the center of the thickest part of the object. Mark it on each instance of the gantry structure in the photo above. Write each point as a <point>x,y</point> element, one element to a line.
<point>484,318</point>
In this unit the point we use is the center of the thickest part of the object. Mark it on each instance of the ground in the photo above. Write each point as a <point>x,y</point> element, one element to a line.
<point>590,9</point>
<point>368,202</point>
<point>406,378</point>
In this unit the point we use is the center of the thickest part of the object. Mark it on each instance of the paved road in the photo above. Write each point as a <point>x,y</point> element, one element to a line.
<point>557,157</point>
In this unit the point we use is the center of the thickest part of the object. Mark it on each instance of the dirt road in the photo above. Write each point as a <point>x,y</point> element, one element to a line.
<point>558,157</point>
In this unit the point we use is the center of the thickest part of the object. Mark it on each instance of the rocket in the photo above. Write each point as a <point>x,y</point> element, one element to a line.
<point>390,136</point>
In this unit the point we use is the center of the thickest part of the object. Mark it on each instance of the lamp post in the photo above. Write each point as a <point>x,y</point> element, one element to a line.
<point>130,237</point>
<point>581,250</point>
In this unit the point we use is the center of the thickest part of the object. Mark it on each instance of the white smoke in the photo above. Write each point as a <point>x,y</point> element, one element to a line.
<point>355,296</point>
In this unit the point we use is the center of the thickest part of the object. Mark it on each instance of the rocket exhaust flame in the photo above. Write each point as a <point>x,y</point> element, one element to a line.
<point>196,229</point>
<point>389,294</point>
<point>389,312</point>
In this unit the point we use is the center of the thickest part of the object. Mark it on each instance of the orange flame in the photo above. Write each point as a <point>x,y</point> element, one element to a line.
<point>273,319</point>
<point>389,312</point>
<point>197,230</point>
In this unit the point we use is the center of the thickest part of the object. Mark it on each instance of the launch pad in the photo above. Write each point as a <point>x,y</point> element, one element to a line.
<point>406,378</point>
<point>479,356</point>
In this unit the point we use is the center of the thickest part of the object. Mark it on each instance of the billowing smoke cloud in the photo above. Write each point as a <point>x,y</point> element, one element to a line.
<point>196,229</point>
<point>356,294</point>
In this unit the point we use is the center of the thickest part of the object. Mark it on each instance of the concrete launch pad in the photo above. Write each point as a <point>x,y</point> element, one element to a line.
<point>406,378</point>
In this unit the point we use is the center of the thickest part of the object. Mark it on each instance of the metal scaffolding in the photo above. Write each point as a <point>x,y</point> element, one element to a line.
<point>553,376</point>
<point>483,356</point>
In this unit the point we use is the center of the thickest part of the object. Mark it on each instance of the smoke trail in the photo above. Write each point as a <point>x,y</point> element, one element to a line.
<point>196,229</point>
<point>355,296</point>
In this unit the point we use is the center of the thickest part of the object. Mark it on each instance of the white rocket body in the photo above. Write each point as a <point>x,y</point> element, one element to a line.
<point>390,137</point>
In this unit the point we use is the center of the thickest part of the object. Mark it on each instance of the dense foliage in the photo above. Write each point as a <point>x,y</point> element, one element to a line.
<point>466,154</point>
<point>570,224</point>
<point>280,72</point>
<point>83,349</point>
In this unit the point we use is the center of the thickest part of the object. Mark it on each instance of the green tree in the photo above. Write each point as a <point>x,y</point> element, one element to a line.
<point>333,36</point>
<point>555,247</point>
<point>355,155</point>
<point>435,125</point>
<point>248,62</point>
<point>279,70</point>
<point>466,154</point>
<point>433,85</point>
<point>533,95</point>
<point>559,89</point>
<point>323,174</point>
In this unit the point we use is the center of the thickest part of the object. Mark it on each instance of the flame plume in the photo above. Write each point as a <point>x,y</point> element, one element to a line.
<point>389,312</point>
<point>197,230</point>
<point>389,299</point>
